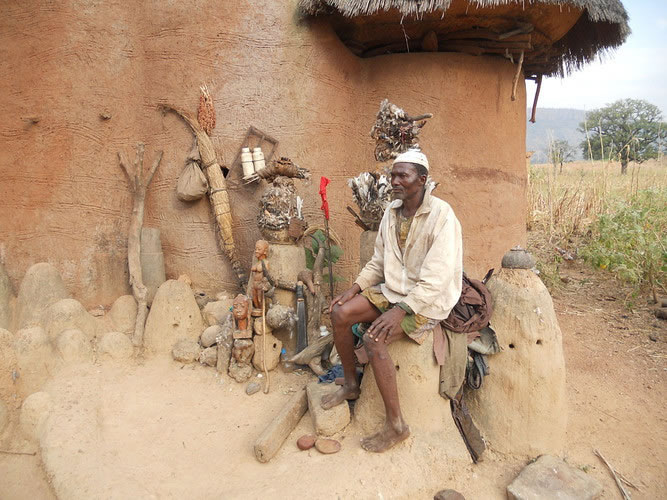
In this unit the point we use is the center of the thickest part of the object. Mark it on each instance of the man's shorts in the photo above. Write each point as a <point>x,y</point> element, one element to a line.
<point>415,326</point>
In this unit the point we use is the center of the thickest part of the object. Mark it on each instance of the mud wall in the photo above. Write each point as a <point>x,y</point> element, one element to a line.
<point>82,79</point>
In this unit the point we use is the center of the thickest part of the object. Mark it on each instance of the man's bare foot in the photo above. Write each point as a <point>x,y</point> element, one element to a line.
<point>343,394</point>
<point>389,436</point>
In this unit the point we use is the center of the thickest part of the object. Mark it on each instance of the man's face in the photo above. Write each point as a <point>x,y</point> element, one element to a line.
<point>405,182</point>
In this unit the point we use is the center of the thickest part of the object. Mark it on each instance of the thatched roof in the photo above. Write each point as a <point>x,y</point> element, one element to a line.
<point>556,36</point>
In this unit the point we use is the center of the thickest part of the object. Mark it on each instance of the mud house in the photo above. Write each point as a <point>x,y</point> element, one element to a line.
<point>82,80</point>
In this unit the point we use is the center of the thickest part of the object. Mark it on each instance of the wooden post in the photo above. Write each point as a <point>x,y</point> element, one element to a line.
<point>138,185</point>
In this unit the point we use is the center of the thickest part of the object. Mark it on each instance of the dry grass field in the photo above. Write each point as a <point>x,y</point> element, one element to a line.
<point>616,223</point>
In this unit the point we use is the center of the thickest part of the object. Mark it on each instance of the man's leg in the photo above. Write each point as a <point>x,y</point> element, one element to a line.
<point>395,429</point>
<point>356,310</point>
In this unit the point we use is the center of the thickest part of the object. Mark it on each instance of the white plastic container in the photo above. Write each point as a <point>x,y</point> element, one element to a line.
<point>258,159</point>
<point>247,163</point>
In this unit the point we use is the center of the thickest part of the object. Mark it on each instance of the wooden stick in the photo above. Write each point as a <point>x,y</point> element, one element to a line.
<point>266,372</point>
<point>7,452</point>
<point>270,441</point>
<point>516,76</point>
<point>138,185</point>
<point>357,219</point>
<point>537,95</point>
<point>624,492</point>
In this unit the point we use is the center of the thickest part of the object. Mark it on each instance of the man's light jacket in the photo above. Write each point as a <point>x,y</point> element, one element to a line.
<point>427,275</point>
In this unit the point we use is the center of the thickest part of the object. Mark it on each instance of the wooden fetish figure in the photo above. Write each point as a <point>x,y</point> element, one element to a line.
<point>259,282</point>
<point>241,317</point>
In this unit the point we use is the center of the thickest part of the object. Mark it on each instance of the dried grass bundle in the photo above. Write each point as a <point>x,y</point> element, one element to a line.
<point>372,194</point>
<point>206,111</point>
<point>394,131</point>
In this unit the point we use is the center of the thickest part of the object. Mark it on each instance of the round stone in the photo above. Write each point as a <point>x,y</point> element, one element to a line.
<point>327,446</point>
<point>306,442</point>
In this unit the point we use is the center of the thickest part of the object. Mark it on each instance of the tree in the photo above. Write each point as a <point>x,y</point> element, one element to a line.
<point>560,151</point>
<point>628,129</point>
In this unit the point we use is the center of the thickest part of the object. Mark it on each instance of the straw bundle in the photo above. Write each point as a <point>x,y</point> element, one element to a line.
<point>218,191</point>
<point>206,111</point>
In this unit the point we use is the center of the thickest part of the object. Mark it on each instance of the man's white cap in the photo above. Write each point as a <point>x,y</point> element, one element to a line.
<point>412,156</point>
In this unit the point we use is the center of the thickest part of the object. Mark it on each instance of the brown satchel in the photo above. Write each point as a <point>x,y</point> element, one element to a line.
<point>474,308</point>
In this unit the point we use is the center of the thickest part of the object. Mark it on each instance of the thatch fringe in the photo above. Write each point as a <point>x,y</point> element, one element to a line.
<point>603,27</point>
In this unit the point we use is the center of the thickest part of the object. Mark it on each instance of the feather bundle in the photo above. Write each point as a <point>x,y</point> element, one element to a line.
<point>372,193</point>
<point>395,131</point>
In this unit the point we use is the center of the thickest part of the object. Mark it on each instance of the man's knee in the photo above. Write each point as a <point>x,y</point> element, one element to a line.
<point>370,344</point>
<point>339,317</point>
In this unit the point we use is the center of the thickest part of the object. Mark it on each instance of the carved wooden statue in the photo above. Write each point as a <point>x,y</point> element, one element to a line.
<point>260,283</point>
<point>241,317</point>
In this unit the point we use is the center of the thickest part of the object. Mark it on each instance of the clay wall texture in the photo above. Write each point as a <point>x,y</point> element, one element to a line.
<point>65,200</point>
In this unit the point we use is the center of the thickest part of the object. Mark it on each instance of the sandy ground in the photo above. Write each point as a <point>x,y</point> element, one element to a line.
<point>156,429</point>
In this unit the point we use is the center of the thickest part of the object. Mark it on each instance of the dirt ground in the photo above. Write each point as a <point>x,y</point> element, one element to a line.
<point>156,429</point>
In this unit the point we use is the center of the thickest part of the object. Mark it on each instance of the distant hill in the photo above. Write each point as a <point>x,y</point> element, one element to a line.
<point>553,122</point>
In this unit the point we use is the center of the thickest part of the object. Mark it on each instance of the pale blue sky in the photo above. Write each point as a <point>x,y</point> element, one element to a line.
<point>637,70</point>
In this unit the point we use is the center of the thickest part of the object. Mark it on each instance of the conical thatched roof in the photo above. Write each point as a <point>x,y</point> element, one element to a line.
<point>556,36</point>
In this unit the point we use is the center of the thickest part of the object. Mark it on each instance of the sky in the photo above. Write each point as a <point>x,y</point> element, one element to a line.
<point>637,70</point>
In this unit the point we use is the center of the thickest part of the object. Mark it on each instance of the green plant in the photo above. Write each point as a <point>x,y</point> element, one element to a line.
<point>318,239</point>
<point>631,240</point>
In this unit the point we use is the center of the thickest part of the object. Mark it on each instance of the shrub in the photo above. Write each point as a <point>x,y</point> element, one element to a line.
<point>630,240</point>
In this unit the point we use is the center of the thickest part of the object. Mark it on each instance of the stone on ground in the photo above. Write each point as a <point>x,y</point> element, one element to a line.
<point>216,311</point>
<point>115,345</point>
<point>327,446</point>
<point>34,412</point>
<point>41,287</point>
<point>306,442</point>
<point>123,314</point>
<point>272,347</point>
<point>209,356</point>
<point>209,336</point>
<point>6,297</point>
<point>225,342</point>
<point>73,346</point>
<point>7,364</point>
<point>35,359</point>
<point>550,478</point>
<point>186,351</point>
<point>68,314</point>
<point>326,422</point>
<point>448,495</point>
<point>174,315</point>
<point>252,388</point>
<point>522,407</point>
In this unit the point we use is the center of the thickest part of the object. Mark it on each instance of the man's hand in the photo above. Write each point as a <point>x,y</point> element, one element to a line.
<point>386,324</point>
<point>345,296</point>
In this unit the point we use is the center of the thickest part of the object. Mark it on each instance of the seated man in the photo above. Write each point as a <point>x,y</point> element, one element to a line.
<point>412,282</point>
